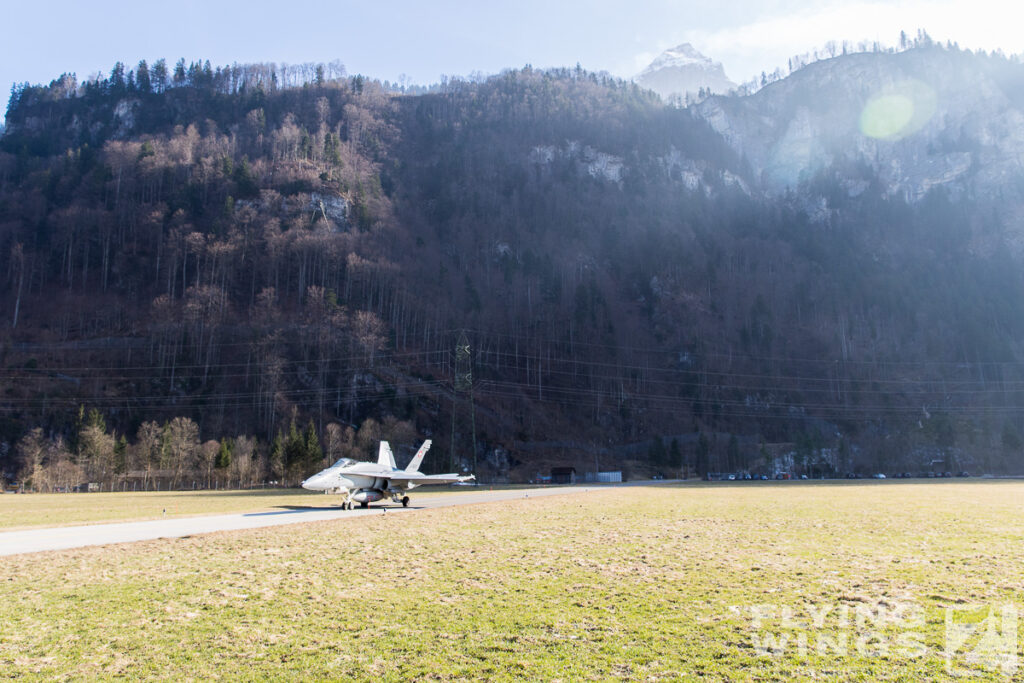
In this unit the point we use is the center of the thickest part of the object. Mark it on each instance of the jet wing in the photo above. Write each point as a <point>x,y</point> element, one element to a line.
<point>430,479</point>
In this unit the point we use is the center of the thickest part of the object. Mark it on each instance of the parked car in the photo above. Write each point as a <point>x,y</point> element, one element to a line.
<point>878,475</point>
<point>964,474</point>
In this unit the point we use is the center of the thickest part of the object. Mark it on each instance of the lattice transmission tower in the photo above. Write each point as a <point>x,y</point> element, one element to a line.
<point>463,409</point>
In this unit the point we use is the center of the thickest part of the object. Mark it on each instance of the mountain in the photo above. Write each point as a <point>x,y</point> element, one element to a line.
<point>916,120</point>
<point>683,70</point>
<point>823,275</point>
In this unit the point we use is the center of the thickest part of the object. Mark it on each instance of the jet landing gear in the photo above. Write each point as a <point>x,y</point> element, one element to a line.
<point>405,501</point>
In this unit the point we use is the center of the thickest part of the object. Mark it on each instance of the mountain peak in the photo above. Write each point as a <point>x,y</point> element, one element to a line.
<point>683,69</point>
<point>680,55</point>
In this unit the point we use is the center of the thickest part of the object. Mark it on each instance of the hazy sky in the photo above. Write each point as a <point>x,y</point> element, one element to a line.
<point>423,39</point>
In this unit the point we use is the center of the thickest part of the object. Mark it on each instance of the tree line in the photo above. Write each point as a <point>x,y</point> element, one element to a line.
<point>171,455</point>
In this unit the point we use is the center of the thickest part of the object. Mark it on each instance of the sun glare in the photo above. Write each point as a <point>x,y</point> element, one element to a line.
<point>898,111</point>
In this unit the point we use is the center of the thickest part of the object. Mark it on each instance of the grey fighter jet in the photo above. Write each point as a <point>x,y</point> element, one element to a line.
<point>368,482</point>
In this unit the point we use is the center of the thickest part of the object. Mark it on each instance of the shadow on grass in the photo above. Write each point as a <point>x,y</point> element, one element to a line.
<point>293,509</point>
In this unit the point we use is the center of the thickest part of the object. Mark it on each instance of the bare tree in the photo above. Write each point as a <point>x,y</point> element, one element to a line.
<point>180,446</point>
<point>208,458</point>
<point>146,452</point>
<point>338,442</point>
<point>31,450</point>
<point>242,465</point>
<point>96,449</point>
<point>367,438</point>
<point>369,332</point>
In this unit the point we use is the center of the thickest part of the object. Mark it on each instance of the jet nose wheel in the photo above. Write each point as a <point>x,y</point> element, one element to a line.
<point>405,501</point>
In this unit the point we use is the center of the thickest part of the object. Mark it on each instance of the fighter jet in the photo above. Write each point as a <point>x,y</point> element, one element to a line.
<point>367,482</point>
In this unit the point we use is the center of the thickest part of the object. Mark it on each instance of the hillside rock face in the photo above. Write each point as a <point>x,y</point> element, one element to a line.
<point>915,120</point>
<point>683,70</point>
<point>834,261</point>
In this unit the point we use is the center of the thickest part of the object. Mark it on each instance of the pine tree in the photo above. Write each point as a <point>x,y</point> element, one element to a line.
<point>703,451</point>
<point>656,453</point>
<point>117,79</point>
<point>675,455</point>
<point>142,80</point>
<point>159,76</point>
<point>733,452</point>
<point>314,453</point>
<point>277,457</point>
<point>179,72</point>
<point>223,460</point>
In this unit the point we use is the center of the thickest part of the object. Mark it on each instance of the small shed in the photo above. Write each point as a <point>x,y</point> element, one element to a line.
<point>563,475</point>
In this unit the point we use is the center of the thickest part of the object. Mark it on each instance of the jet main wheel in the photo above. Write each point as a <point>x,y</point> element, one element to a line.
<point>364,504</point>
<point>347,506</point>
<point>405,501</point>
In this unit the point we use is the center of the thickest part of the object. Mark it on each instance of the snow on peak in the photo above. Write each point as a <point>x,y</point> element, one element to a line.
<point>681,55</point>
<point>682,70</point>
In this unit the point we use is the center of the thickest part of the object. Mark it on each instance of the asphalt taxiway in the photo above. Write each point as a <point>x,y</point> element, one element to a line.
<point>63,538</point>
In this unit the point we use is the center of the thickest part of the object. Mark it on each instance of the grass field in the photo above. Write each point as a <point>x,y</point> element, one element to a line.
<point>641,584</point>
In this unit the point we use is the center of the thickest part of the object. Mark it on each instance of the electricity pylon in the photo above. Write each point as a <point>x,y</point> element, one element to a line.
<point>462,395</point>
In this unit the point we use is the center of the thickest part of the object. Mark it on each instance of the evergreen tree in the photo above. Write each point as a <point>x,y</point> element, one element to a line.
<point>733,452</point>
<point>294,447</point>
<point>142,79</point>
<point>223,460</point>
<point>314,453</point>
<point>179,77</point>
<point>277,458</point>
<point>703,452</point>
<point>121,455</point>
<point>656,454</point>
<point>675,455</point>
<point>159,75</point>
<point>117,79</point>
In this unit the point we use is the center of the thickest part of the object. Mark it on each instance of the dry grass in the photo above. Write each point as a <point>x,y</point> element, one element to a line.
<point>614,584</point>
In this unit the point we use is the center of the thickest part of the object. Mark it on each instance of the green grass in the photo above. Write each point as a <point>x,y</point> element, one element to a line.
<point>627,583</point>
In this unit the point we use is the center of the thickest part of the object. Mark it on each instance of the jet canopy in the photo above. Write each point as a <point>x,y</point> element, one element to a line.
<point>344,462</point>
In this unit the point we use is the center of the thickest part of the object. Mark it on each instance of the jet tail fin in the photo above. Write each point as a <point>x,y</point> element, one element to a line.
<point>385,458</point>
<point>417,460</point>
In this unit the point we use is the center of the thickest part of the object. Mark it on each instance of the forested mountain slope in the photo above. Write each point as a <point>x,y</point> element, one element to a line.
<point>253,255</point>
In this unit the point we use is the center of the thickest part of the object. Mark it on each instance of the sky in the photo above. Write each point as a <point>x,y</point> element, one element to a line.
<point>421,41</point>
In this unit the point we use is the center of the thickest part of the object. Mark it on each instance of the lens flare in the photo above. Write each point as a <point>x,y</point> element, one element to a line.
<point>899,111</point>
